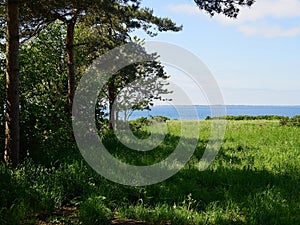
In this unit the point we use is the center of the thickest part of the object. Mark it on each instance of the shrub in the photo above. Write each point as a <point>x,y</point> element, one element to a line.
<point>160,118</point>
<point>294,121</point>
<point>139,123</point>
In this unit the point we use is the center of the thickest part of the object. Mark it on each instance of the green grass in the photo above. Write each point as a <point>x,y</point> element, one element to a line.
<point>254,180</point>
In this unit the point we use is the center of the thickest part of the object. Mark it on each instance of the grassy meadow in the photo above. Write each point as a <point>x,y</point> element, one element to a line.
<point>255,179</point>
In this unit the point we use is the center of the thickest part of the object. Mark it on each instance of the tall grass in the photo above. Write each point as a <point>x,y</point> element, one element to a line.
<point>254,180</point>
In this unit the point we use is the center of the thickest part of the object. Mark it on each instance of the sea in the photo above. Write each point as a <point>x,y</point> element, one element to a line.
<point>200,112</point>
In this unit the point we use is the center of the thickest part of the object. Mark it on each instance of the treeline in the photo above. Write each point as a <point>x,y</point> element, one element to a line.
<point>283,120</point>
<point>246,117</point>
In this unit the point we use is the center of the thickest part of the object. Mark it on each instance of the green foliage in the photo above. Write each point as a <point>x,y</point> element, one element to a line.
<point>160,118</point>
<point>229,8</point>
<point>140,127</point>
<point>93,211</point>
<point>294,121</point>
<point>246,117</point>
<point>134,87</point>
<point>139,123</point>
<point>253,180</point>
<point>142,122</point>
<point>11,204</point>
<point>163,214</point>
<point>45,124</point>
<point>34,188</point>
<point>138,85</point>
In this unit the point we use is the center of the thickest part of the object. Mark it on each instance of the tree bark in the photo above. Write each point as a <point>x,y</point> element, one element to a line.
<point>71,64</point>
<point>111,99</point>
<point>12,129</point>
<point>117,118</point>
<point>125,115</point>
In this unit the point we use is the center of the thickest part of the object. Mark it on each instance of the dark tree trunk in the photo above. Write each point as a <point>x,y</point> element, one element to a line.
<point>111,97</point>
<point>12,129</point>
<point>117,117</point>
<point>71,64</point>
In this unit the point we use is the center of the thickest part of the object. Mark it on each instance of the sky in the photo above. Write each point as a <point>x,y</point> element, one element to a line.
<point>255,58</point>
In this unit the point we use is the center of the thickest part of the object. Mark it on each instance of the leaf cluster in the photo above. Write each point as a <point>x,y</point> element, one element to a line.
<point>229,8</point>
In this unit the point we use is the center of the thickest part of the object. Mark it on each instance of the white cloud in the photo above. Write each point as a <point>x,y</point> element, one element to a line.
<point>185,9</point>
<point>280,9</point>
<point>268,31</point>
<point>252,21</point>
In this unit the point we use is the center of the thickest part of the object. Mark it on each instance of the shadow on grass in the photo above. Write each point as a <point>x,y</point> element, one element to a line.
<point>240,194</point>
<point>227,193</point>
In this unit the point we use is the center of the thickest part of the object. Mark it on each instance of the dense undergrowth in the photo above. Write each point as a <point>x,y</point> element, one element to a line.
<point>253,180</point>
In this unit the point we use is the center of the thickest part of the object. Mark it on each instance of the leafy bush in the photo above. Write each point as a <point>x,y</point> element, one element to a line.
<point>294,121</point>
<point>143,122</point>
<point>139,123</point>
<point>160,118</point>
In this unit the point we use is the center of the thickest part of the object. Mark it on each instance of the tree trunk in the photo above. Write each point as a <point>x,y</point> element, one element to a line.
<point>12,129</point>
<point>125,115</point>
<point>117,117</point>
<point>111,99</point>
<point>71,64</point>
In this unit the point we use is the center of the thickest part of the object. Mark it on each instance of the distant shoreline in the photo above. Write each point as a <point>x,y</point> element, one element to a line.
<point>196,112</point>
<point>233,105</point>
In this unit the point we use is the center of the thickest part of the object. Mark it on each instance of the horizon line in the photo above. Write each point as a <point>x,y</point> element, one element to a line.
<point>228,105</point>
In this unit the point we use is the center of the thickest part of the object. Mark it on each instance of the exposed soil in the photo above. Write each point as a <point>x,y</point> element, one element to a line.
<point>69,215</point>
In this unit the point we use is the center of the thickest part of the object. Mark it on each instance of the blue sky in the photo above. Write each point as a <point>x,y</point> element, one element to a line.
<point>255,58</point>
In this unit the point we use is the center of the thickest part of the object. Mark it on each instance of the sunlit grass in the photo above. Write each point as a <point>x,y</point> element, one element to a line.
<point>254,179</point>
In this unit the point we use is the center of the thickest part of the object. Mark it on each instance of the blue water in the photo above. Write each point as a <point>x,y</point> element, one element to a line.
<point>201,112</point>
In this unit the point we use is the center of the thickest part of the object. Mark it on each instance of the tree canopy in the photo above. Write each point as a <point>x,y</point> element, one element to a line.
<point>91,27</point>
<point>229,8</point>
